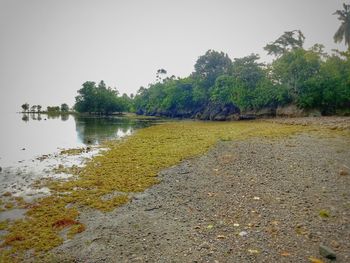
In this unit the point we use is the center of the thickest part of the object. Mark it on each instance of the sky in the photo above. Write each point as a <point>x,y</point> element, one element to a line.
<point>49,48</point>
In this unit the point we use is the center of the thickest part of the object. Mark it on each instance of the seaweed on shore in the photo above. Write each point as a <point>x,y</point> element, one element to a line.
<point>130,165</point>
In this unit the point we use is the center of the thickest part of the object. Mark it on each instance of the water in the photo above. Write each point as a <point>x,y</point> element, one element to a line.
<point>30,146</point>
<point>27,136</point>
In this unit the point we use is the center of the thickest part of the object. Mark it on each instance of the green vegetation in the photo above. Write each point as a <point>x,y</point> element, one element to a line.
<point>308,78</point>
<point>324,213</point>
<point>53,109</point>
<point>64,107</point>
<point>49,110</point>
<point>110,179</point>
<point>220,88</point>
<point>100,99</point>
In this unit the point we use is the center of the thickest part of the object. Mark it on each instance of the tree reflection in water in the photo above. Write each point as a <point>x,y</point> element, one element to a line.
<point>93,130</point>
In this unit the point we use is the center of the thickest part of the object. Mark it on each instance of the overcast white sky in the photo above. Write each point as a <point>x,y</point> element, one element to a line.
<point>48,48</point>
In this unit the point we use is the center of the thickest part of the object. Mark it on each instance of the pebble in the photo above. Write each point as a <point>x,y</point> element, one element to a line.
<point>343,172</point>
<point>278,214</point>
<point>243,233</point>
<point>327,252</point>
<point>205,245</point>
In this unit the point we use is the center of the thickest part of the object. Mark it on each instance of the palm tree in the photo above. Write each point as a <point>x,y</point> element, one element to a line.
<point>343,31</point>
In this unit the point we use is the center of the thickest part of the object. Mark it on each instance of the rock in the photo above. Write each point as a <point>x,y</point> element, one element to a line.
<point>212,111</point>
<point>327,252</point>
<point>205,245</point>
<point>343,172</point>
<point>243,233</point>
<point>219,112</point>
<point>23,149</point>
<point>140,112</point>
<point>335,244</point>
<point>247,117</point>
<point>314,113</point>
<point>266,112</point>
<point>290,111</point>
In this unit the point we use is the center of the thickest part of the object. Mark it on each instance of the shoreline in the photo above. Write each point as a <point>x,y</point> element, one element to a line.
<point>257,200</point>
<point>224,138</point>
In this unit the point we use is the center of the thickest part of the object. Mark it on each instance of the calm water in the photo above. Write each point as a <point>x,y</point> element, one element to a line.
<point>27,136</point>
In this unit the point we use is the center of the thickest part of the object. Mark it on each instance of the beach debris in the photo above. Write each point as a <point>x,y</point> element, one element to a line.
<point>315,260</point>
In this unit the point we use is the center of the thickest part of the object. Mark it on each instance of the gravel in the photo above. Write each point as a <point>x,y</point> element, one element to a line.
<point>251,201</point>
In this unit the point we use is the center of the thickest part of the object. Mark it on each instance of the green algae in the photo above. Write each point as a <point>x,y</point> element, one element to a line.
<point>74,151</point>
<point>4,224</point>
<point>324,213</point>
<point>128,166</point>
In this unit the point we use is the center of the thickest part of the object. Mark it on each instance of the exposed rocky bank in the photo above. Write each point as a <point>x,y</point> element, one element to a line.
<point>260,200</point>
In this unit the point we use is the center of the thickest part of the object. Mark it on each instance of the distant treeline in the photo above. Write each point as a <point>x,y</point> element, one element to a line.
<point>64,108</point>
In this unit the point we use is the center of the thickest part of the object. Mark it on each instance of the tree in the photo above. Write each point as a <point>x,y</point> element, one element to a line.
<point>25,107</point>
<point>288,41</point>
<point>39,107</point>
<point>85,102</point>
<point>33,108</point>
<point>64,107</point>
<point>248,70</point>
<point>248,86</point>
<point>160,73</point>
<point>127,102</point>
<point>53,109</point>
<point>210,66</point>
<point>293,69</point>
<point>343,31</point>
<point>329,90</point>
<point>98,99</point>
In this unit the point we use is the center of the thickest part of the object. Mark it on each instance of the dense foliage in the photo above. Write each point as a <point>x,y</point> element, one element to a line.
<point>100,99</point>
<point>308,78</point>
<point>219,87</point>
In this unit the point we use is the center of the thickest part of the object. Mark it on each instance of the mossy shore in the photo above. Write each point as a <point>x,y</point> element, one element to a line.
<point>109,180</point>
